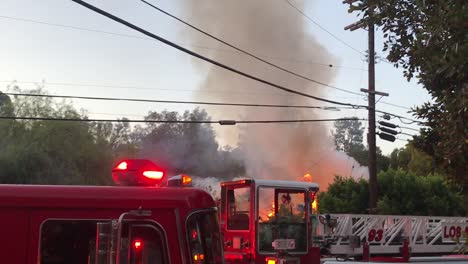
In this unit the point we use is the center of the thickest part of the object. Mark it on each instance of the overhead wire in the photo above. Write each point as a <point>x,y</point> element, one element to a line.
<point>332,108</point>
<point>406,134</point>
<point>132,26</point>
<point>409,128</point>
<point>321,27</point>
<point>265,61</point>
<point>400,139</point>
<point>194,45</point>
<point>242,92</point>
<point>220,122</point>
<point>246,52</point>
<point>340,40</point>
<point>174,101</point>
<point>199,56</point>
<point>395,105</point>
<point>187,44</point>
<point>128,24</point>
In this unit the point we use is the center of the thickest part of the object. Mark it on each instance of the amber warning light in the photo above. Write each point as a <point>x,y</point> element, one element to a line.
<point>137,172</point>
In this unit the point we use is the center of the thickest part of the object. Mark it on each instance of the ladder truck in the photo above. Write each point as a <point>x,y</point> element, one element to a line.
<point>393,238</point>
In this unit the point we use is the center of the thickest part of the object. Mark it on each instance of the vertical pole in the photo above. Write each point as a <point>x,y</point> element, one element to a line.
<point>371,132</point>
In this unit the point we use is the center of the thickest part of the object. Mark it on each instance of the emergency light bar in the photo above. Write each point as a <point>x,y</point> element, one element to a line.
<point>137,172</point>
<point>180,180</point>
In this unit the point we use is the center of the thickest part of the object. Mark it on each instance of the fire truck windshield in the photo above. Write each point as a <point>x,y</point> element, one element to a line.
<point>282,218</point>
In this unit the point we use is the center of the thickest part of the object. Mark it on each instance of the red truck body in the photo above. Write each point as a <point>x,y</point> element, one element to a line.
<point>66,224</point>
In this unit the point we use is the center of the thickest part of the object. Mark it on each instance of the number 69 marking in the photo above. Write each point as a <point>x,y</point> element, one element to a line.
<point>375,235</point>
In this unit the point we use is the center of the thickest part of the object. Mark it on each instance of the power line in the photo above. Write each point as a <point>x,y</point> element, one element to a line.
<point>173,102</point>
<point>194,54</point>
<point>340,40</point>
<point>220,122</point>
<point>406,134</point>
<point>150,88</point>
<point>188,44</point>
<point>194,45</point>
<point>246,52</point>
<point>399,106</point>
<point>297,93</point>
<point>321,27</point>
<point>400,139</point>
<point>134,87</point>
<point>412,121</point>
<point>401,118</point>
<point>417,130</point>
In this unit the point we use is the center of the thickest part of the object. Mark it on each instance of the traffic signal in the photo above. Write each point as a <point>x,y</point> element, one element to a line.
<point>387,137</point>
<point>387,131</point>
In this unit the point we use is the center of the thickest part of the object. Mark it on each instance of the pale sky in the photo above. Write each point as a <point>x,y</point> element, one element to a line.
<point>139,68</point>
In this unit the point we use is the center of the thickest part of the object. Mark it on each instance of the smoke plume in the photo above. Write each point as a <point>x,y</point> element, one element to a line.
<point>279,34</point>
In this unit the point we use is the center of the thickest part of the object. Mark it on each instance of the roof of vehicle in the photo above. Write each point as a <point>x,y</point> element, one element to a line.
<point>276,183</point>
<point>286,184</point>
<point>71,196</point>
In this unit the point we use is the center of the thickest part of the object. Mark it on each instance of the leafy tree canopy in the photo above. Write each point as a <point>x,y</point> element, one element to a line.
<point>400,193</point>
<point>428,40</point>
<point>61,152</point>
<point>348,136</point>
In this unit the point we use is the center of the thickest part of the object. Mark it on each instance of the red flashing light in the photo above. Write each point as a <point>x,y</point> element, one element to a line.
<point>122,165</point>
<point>137,172</point>
<point>194,234</point>
<point>312,196</point>
<point>137,244</point>
<point>154,175</point>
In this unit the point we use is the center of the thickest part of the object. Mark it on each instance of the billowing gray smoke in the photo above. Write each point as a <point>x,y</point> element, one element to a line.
<point>276,32</point>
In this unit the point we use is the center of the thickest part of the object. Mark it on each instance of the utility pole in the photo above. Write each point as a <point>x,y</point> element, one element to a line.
<point>371,132</point>
<point>371,135</point>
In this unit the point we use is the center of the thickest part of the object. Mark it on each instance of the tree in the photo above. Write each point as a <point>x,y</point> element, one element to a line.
<point>413,160</point>
<point>348,135</point>
<point>428,40</point>
<point>186,147</point>
<point>51,152</point>
<point>345,195</point>
<point>65,152</point>
<point>400,193</point>
<point>406,193</point>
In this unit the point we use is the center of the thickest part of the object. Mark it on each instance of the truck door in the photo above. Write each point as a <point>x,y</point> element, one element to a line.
<point>236,220</point>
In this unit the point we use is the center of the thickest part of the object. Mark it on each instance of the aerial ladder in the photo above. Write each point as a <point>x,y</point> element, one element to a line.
<point>390,237</point>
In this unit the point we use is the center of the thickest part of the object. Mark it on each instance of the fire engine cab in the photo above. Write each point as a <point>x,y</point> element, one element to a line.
<point>142,224</point>
<point>269,221</point>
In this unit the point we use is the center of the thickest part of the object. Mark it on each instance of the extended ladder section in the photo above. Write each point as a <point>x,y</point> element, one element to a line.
<point>386,234</point>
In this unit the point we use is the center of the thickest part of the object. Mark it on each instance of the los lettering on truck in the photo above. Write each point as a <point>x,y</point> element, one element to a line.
<point>454,231</point>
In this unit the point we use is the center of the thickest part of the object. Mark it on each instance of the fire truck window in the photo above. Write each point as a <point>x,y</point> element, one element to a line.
<point>70,242</point>
<point>282,215</point>
<point>204,238</point>
<point>74,242</point>
<point>238,208</point>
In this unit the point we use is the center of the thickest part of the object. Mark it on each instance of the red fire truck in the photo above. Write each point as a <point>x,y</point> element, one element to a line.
<point>269,222</point>
<point>110,225</point>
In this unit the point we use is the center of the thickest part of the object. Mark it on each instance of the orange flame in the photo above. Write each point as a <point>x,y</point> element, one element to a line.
<point>307,177</point>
